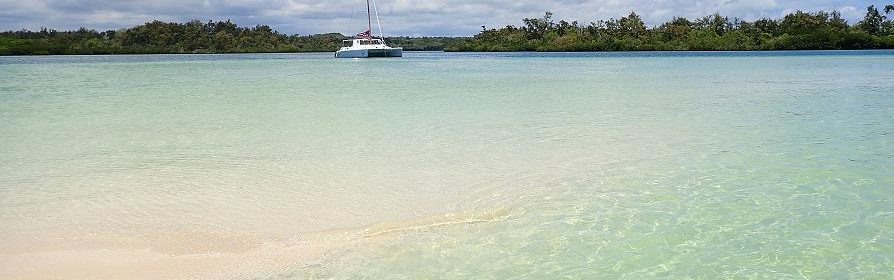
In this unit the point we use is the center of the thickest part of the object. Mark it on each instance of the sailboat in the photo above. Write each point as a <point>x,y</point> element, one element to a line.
<point>365,44</point>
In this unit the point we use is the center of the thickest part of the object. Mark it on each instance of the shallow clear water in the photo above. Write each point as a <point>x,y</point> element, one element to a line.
<point>604,166</point>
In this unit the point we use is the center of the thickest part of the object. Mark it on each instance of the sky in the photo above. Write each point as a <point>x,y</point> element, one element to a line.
<point>398,17</point>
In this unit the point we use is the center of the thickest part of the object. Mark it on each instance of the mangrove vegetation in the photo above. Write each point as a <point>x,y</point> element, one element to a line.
<point>159,37</point>
<point>796,31</point>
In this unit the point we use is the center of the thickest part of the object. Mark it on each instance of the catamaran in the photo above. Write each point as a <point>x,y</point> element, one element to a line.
<point>365,44</point>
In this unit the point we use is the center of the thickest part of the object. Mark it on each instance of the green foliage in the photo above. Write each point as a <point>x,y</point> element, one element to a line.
<point>190,37</point>
<point>797,31</point>
<point>872,23</point>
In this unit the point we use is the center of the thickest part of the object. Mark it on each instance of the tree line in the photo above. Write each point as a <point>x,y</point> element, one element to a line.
<point>191,37</point>
<point>796,31</point>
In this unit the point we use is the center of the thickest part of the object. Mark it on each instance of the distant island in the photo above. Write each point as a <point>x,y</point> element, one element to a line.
<point>796,31</point>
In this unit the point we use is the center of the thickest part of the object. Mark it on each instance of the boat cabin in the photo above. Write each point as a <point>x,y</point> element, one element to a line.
<point>362,42</point>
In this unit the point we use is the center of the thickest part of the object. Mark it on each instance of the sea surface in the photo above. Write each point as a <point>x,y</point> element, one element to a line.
<point>641,165</point>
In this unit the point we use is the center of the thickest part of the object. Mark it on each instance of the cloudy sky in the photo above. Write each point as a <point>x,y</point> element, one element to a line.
<point>399,17</point>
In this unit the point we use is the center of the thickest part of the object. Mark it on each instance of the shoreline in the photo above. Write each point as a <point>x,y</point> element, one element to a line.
<point>461,52</point>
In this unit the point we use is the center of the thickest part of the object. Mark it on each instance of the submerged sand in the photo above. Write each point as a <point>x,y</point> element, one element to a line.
<point>196,255</point>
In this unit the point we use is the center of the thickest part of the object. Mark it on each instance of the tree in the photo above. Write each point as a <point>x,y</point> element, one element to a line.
<point>678,27</point>
<point>872,22</point>
<point>536,28</point>
<point>837,22</point>
<point>716,22</point>
<point>888,26</point>
<point>632,25</point>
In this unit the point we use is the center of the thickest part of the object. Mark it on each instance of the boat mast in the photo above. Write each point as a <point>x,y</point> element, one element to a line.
<point>376,11</point>
<point>369,25</point>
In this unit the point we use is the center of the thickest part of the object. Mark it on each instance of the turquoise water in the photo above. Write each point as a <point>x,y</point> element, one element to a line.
<point>584,166</point>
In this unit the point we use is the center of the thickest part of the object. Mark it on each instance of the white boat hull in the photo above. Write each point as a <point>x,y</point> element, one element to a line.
<point>366,53</point>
